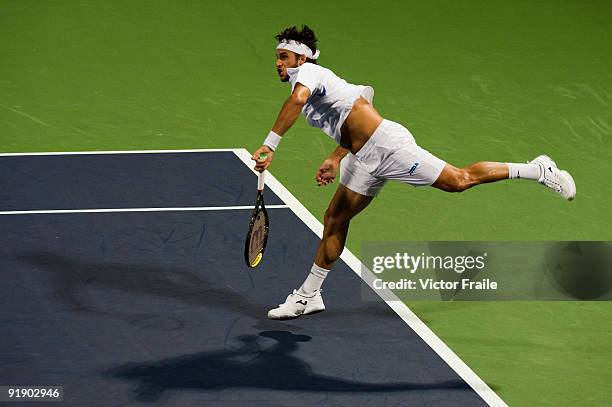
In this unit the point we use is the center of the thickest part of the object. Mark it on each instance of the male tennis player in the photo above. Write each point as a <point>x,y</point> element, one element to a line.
<point>371,151</point>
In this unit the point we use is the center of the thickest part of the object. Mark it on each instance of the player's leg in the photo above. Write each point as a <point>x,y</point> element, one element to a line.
<point>453,179</point>
<point>356,190</point>
<point>343,207</point>
<point>541,169</point>
<point>403,160</point>
<point>307,299</point>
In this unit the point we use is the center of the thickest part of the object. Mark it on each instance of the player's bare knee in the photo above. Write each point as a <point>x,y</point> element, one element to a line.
<point>461,181</point>
<point>466,180</point>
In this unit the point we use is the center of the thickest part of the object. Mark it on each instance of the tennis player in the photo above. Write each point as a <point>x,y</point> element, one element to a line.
<point>371,151</point>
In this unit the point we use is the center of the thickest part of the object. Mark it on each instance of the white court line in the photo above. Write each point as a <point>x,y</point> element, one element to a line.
<point>118,210</point>
<point>115,210</point>
<point>210,150</point>
<point>401,309</point>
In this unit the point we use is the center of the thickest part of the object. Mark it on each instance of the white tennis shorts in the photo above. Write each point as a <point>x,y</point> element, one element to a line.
<point>391,153</point>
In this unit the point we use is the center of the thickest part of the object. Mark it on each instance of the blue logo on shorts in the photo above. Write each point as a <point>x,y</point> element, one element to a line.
<point>413,168</point>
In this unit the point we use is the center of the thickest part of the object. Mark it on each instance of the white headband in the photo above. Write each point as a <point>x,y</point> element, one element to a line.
<point>298,48</point>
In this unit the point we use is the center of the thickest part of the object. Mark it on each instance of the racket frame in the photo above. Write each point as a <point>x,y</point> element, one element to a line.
<point>260,207</point>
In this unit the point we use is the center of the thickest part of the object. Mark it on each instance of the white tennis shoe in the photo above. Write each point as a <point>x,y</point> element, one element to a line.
<point>298,304</point>
<point>558,180</point>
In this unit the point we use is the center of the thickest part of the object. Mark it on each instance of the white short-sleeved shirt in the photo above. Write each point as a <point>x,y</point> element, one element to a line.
<point>331,97</point>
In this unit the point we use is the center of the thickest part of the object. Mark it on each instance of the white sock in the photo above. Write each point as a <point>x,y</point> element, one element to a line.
<point>525,171</point>
<point>314,280</point>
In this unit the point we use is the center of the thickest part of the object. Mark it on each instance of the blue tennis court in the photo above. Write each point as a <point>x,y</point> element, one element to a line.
<point>123,281</point>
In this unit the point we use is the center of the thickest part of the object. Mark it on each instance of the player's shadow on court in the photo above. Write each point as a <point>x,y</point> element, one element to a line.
<point>72,279</point>
<point>251,366</point>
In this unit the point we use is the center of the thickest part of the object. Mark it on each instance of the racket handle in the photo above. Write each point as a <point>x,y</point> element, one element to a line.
<point>261,181</point>
<point>260,176</point>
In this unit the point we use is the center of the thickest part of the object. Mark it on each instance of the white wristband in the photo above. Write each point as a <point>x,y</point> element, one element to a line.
<point>272,140</point>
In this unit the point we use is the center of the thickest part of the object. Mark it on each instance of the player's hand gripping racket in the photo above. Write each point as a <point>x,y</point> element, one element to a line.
<point>257,237</point>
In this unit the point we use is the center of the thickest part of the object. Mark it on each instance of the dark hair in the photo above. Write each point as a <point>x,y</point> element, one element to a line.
<point>305,36</point>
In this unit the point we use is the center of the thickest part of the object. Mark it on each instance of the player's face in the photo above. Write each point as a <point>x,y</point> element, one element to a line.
<point>285,59</point>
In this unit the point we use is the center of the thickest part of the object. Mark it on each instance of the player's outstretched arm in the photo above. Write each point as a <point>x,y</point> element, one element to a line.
<point>286,118</point>
<point>329,168</point>
<point>291,109</point>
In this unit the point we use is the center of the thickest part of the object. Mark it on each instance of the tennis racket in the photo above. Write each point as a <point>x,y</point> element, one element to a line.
<point>257,237</point>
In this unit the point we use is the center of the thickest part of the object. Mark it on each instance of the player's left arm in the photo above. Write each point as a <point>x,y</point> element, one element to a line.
<point>286,118</point>
<point>329,168</point>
